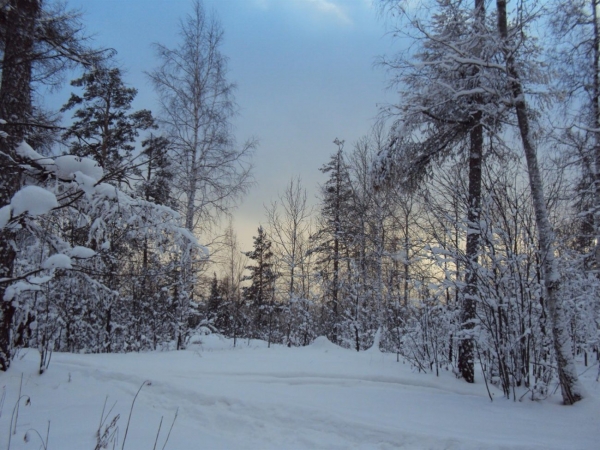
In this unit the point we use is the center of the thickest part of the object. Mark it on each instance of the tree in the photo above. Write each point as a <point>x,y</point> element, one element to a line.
<point>15,110</point>
<point>288,225</point>
<point>331,241</point>
<point>103,128</point>
<point>260,295</point>
<point>567,373</point>
<point>37,44</point>
<point>448,100</point>
<point>217,305</point>
<point>576,24</point>
<point>197,106</point>
<point>157,175</point>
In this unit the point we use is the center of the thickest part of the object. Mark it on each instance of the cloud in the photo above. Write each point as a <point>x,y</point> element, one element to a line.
<point>327,8</point>
<point>262,4</point>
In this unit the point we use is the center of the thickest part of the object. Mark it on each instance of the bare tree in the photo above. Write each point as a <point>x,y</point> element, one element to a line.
<point>288,225</point>
<point>234,262</point>
<point>197,106</point>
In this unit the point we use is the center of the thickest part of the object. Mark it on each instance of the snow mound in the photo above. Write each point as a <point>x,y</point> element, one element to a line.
<point>322,343</point>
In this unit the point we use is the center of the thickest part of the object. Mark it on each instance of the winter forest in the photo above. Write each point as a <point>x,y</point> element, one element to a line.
<point>460,236</point>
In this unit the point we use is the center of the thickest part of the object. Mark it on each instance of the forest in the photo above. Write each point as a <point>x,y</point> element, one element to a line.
<point>461,234</point>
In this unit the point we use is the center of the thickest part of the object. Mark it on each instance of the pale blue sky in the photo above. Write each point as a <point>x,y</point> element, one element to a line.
<point>304,70</point>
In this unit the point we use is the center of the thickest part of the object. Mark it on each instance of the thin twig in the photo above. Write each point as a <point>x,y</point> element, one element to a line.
<point>14,431</point>
<point>484,377</point>
<point>131,411</point>
<point>158,433</point>
<point>173,423</point>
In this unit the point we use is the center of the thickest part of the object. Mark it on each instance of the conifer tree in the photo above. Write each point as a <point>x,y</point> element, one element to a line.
<point>332,239</point>
<point>158,172</point>
<point>104,128</point>
<point>37,43</point>
<point>261,292</point>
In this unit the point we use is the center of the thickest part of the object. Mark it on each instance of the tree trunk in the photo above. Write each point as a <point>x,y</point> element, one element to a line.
<point>596,112</point>
<point>466,357</point>
<point>571,389</point>
<point>15,109</point>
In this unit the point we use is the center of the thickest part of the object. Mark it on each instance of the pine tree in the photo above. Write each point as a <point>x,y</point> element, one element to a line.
<point>217,305</point>
<point>104,128</point>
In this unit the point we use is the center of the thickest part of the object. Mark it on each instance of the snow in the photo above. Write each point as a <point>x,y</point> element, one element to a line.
<point>24,150</point>
<point>81,252</point>
<point>5,212</point>
<point>108,191</point>
<point>86,183</point>
<point>58,261</point>
<point>15,289</point>
<point>69,165</point>
<point>33,200</point>
<point>254,397</point>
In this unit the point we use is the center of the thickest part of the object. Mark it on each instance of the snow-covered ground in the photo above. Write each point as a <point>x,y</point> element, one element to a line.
<point>253,397</point>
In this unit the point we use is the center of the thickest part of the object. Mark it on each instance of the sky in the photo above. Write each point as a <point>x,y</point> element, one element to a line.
<point>304,71</point>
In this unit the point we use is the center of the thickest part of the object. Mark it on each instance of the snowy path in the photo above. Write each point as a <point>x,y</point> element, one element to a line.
<point>320,397</point>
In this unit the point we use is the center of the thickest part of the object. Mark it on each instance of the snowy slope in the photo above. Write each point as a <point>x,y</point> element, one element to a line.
<point>252,397</point>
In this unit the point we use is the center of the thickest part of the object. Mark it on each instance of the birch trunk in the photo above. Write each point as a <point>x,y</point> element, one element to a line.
<point>571,389</point>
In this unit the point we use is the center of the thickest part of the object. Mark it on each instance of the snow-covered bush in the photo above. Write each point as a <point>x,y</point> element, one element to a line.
<point>96,270</point>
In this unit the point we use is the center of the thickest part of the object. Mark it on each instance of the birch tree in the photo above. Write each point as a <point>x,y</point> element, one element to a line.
<point>567,374</point>
<point>197,108</point>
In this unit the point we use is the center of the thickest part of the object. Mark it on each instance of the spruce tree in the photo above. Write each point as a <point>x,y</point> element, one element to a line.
<point>261,292</point>
<point>332,240</point>
<point>157,174</point>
